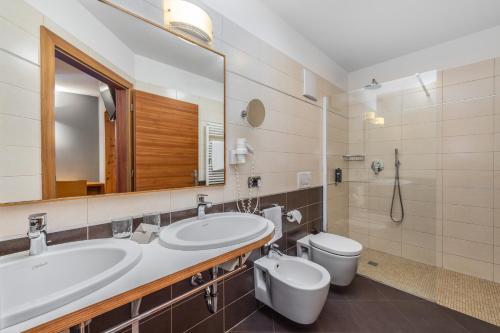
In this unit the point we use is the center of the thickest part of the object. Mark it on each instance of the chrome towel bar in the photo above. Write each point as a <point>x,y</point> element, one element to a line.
<point>160,307</point>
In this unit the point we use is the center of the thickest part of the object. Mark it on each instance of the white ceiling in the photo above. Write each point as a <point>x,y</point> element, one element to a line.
<point>361,33</point>
<point>72,80</point>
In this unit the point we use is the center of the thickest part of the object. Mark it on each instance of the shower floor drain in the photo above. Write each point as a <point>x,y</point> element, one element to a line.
<point>373,263</point>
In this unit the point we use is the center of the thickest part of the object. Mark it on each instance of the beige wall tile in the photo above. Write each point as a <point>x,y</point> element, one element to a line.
<point>496,255</point>
<point>421,131</point>
<point>423,240</point>
<point>423,224</point>
<point>468,161</point>
<point>62,215</point>
<point>467,214</point>
<point>19,42</point>
<point>422,115</point>
<point>17,131</point>
<point>19,102</point>
<point>385,245</point>
<point>497,273</point>
<point>467,178</point>
<point>497,66</point>
<point>105,209</point>
<point>20,188</point>
<point>475,71</point>
<point>469,126</point>
<point>473,89</point>
<point>468,144</point>
<point>419,254</point>
<point>18,72</point>
<point>466,231</point>
<point>419,99</point>
<point>468,196</point>
<point>468,266</point>
<point>468,249</point>
<point>23,15</point>
<point>470,108</point>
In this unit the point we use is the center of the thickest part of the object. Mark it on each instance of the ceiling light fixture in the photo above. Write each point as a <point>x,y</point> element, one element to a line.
<point>188,18</point>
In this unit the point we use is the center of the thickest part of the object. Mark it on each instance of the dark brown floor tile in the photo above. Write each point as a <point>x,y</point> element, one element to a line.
<point>260,321</point>
<point>159,323</point>
<point>100,231</point>
<point>473,325</point>
<point>239,310</point>
<point>314,195</point>
<point>394,294</point>
<point>337,317</point>
<point>296,199</point>
<point>67,236</point>
<point>428,317</point>
<point>238,286</point>
<point>383,317</point>
<point>110,319</point>
<point>213,324</point>
<point>360,289</point>
<point>283,324</point>
<point>187,314</point>
<point>14,245</point>
<point>157,298</point>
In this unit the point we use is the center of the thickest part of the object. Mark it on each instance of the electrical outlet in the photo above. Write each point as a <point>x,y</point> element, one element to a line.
<point>254,181</point>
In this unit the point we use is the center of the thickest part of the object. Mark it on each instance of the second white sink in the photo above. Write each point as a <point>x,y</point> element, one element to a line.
<point>213,231</point>
<point>33,285</point>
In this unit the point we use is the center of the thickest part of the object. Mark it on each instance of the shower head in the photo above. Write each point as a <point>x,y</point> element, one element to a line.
<point>373,85</point>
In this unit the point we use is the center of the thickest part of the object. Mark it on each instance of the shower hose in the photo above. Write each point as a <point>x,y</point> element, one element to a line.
<point>397,188</point>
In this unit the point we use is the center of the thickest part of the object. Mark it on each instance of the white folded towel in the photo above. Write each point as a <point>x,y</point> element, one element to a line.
<point>274,215</point>
<point>217,155</point>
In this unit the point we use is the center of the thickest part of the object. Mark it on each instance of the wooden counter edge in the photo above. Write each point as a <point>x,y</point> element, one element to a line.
<point>92,311</point>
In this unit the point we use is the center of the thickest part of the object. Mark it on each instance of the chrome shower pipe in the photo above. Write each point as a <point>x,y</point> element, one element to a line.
<point>423,85</point>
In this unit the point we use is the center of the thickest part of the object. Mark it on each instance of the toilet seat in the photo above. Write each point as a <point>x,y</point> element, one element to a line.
<point>336,244</point>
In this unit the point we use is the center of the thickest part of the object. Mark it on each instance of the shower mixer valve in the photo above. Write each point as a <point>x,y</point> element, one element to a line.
<point>377,166</point>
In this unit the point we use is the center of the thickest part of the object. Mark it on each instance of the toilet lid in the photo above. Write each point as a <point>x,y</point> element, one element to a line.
<point>336,244</point>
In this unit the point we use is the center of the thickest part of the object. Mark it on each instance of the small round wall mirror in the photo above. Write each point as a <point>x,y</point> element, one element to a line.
<point>255,113</point>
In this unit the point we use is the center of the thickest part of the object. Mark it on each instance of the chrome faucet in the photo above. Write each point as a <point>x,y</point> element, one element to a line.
<point>273,248</point>
<point>37,233</point>
<point>202,204</point>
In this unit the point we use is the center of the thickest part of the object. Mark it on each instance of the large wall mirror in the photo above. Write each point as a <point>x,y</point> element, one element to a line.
<point>160,126</point>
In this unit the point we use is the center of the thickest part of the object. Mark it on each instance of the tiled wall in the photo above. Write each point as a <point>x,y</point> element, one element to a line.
<point>288,141</point>
<point>449,150</point>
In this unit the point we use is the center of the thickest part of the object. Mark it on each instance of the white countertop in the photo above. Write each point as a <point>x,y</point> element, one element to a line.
<point>157,262</point>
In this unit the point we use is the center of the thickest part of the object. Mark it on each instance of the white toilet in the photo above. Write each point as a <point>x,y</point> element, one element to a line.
<point>292,286</point>
<point>339,255</point>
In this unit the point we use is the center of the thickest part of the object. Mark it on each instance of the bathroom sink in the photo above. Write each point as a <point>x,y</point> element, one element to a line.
<point>213,231</point>
<point>33,285</point>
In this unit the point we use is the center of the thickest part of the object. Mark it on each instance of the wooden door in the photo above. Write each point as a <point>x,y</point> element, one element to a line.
<point>110,154</point>
<point>166,142</point>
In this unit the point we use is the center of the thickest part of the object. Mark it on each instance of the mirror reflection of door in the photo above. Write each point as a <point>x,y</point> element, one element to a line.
<point>85,143</point>
<point>166,142</point>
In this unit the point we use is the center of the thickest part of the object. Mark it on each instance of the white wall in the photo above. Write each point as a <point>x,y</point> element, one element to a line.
<point>465,50</point>
<point>259,20</point>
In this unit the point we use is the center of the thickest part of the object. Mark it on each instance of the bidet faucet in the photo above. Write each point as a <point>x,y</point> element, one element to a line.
<point>37,233</point>
<point>273,248</point>
<point>202,204</point>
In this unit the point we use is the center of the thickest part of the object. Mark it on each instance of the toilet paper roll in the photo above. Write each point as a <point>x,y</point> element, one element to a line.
<point>294,216</point>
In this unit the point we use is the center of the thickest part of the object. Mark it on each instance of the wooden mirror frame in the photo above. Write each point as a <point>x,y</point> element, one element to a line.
<point>51,47</point>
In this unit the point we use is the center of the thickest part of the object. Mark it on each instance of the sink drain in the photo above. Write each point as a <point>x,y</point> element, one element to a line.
<point>373,263</point>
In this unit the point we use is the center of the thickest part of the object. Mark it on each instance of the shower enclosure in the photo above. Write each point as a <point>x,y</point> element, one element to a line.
<point>435,134</point>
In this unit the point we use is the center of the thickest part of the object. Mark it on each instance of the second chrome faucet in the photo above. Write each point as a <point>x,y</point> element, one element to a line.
<point>202,204</point>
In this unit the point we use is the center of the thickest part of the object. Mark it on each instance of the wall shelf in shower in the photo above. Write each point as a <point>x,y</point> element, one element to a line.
<point>350,158</point>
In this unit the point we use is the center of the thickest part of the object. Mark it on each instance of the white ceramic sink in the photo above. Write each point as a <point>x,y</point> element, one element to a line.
<point>33,285</point>
<point>213,231</point>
